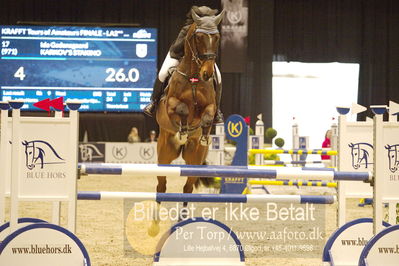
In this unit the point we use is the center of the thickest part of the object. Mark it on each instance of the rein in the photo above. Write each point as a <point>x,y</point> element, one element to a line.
<point>194,81</point>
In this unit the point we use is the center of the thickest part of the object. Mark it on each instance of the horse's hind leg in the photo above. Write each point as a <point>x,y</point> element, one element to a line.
<point>206,124</point>
<point>182,111</point>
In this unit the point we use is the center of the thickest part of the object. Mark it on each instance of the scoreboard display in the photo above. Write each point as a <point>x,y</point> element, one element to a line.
<point>107,69</point>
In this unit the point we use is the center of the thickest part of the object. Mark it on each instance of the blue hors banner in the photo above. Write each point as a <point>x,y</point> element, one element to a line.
<point>108,69</point>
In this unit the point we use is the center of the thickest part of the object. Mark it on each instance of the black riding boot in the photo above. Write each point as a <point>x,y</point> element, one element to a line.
<point>219,115</point>
<point>155,97</point>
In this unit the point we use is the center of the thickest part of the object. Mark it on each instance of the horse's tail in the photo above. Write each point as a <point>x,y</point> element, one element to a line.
<point>205,181</point>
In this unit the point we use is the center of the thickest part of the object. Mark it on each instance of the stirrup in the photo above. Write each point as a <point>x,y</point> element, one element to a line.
<point>149,109</point>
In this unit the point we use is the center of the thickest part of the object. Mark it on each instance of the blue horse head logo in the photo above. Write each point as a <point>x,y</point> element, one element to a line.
<point>393,155</point>
<point>361,153</point>
<point>38,152</point>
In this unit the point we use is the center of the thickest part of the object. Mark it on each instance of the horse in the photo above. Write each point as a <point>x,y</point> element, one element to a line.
<point>185,114</point>
<point>361,153</point>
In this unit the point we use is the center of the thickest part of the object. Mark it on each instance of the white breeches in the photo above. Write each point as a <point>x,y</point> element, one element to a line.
<point>170,62</point>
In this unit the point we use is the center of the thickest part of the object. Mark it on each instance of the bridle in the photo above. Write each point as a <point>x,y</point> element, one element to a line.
<point>198,59</point>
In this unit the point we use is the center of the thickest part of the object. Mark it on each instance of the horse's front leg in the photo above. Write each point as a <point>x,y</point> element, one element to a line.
<point>206,124</point>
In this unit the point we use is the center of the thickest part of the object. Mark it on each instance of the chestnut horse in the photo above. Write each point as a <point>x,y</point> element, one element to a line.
<point>185,115</point>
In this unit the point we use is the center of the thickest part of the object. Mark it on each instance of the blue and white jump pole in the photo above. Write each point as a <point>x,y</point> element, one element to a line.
<point>222,171</point>
<point>185,197</point>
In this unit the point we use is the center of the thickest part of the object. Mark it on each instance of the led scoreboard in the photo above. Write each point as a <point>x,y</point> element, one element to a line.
<point>107,69</point>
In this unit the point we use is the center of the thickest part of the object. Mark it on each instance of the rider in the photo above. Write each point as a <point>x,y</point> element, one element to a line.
<point>176,52</point>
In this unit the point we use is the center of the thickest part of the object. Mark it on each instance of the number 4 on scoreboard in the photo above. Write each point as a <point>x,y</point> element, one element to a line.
<point>20,73</point>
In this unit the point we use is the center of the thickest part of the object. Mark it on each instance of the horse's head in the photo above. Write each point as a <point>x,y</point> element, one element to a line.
<point>204,39</point>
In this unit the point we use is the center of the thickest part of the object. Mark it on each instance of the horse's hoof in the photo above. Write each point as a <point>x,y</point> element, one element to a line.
<point>205,141</point>
<point>183,214</point>
<point>181,138</point>
<point>153,230</point>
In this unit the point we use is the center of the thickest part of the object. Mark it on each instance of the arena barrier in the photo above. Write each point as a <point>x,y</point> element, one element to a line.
<point>146,152</point>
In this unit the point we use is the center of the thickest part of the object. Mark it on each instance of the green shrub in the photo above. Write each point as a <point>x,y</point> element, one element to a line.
<point>251,159</point>
<point>271,157</point>
<point>251,131</point>
<point>279,142</point>
<point>270,133</point>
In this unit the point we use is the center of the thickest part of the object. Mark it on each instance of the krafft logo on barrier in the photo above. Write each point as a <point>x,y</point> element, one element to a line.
<point>361,154</point>
<point>39,152</point>
<point>92,152</point>
<point>147,153</point>
<point>393,157</point>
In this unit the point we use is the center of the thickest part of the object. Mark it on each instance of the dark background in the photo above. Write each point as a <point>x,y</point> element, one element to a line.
<point>346,31</point>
